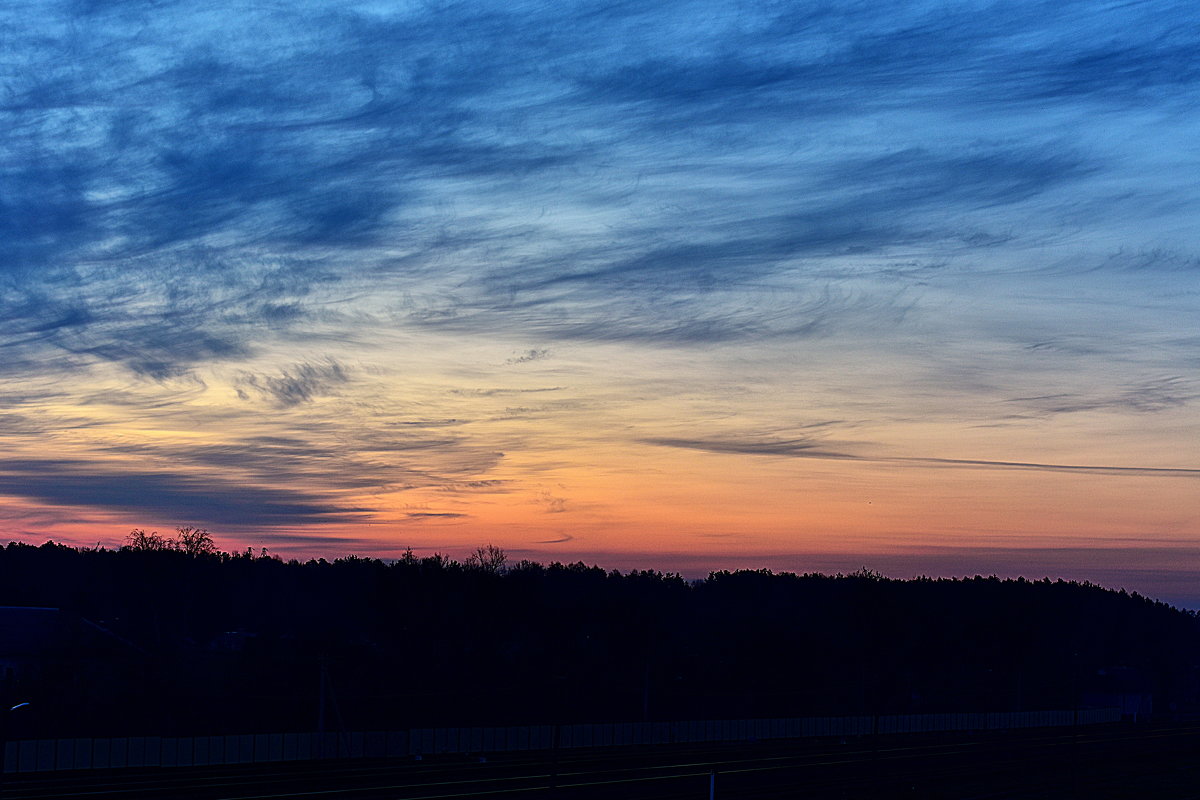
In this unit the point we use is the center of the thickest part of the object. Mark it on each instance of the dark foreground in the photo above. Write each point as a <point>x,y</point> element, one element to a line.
<point>1118,761</point>
<point>176,643</point>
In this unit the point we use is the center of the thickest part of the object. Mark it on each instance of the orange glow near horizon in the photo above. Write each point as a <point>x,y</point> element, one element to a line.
<point>655,506</point>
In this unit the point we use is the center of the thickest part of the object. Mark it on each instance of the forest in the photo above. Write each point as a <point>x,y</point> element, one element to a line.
<point>170,636</point>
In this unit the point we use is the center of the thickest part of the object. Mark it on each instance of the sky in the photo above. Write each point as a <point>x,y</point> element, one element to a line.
<point>676,285</point>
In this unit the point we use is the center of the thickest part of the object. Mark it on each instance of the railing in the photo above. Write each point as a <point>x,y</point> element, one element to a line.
<point>45,755</point>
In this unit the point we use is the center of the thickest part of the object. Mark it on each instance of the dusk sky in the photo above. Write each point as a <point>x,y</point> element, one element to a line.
<point>674,285</point>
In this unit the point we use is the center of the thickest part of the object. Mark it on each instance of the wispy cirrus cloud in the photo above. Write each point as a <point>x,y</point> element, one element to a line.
<point>345,133</point>
<point>422,516</point>
<point>797,448</point>
<point>1146,397</point>
<point>535,354</point>
<point>300,383</point>
<point>802,448</point>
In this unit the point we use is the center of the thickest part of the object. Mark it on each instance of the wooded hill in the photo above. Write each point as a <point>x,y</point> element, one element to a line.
<point>192,641</point>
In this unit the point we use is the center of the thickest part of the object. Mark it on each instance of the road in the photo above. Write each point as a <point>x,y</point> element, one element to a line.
<point>1102,762</point>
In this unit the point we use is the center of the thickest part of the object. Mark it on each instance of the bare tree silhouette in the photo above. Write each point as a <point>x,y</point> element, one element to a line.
<point>488,558</point>
<point>138,539</point>
<point>196,541</point>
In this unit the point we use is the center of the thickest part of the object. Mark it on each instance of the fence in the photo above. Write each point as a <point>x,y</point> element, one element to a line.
<point>45,755</point>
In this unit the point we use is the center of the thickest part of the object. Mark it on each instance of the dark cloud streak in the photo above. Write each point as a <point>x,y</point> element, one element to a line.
<point>202,500</point>
<point>802,448</point>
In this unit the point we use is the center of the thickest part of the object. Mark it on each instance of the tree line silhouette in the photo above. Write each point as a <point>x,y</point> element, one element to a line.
<point>188,639</point>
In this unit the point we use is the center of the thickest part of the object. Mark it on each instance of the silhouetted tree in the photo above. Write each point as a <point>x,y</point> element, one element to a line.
<point>489,558</point>
<point>138,539</point>
<point>197,542</point>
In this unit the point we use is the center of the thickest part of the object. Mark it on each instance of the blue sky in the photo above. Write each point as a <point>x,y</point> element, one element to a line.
<point>637,283</point>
